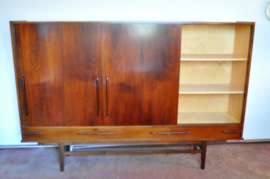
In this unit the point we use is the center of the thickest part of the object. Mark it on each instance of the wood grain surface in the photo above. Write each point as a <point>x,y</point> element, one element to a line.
<point>133,134</point>
<point>141,62</point>
<point>61,63</point>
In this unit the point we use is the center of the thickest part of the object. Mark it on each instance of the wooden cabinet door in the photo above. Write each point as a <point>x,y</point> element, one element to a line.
<point>62,67</point>
<point>141,73</point>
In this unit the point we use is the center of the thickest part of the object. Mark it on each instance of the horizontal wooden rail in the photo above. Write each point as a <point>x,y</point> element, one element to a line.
<point>131,152</point>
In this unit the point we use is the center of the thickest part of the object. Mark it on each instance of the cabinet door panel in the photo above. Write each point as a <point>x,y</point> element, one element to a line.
<point>81,68</point>
<point>141,62</point>
<point>61,62</point>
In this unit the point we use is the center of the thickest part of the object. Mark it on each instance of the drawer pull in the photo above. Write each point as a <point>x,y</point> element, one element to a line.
<point>96,133</point>
<point>179,132</point>
<point>238,131</point>
<point>32,133</point>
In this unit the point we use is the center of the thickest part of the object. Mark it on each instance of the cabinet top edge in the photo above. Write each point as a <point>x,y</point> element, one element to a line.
<point>136,22</point>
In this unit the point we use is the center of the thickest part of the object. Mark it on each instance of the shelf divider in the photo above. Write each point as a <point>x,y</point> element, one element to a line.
<point>212,57</point>
<point>209,89</point>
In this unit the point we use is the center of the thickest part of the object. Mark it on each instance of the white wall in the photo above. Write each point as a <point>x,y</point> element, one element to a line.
<point>257,116</point>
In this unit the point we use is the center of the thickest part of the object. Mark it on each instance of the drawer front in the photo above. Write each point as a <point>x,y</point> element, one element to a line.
<point>93,133</point>
<point>132,133</point>
<point>215,132</point>
<point>57,133</point>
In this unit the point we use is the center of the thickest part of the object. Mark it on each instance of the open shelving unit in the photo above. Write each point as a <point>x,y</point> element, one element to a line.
<point>213,70</point>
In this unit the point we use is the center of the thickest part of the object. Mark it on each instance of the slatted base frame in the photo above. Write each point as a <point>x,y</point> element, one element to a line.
<point>64,149</point>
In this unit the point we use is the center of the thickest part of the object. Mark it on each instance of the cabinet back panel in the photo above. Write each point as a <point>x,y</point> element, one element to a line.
<point>203,103</point>
<point>142,64</point>
<point>210,108</point>
<point>208,39</point>
<point>205,72</point>
<point>61,62</point>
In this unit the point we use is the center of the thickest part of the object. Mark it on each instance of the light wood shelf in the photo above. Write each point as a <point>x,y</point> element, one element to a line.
<point>209,89</point>
<point>205,118</point>
<point>212,57</point>
<point>213,69</point>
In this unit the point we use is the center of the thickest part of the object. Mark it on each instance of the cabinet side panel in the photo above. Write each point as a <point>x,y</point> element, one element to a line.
<point>241,48</point>
<point>250,48</point>
<point>235,106</point>
<point>242,40</point>
<point>238,74</point>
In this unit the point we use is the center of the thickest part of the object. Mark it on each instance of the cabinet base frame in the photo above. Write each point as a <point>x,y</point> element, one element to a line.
<point>202,150</point>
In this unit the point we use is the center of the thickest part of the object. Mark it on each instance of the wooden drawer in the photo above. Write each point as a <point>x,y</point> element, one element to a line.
<point>132,133</point>
<point>57,133</point>
<point>211,132</point>
<point>93,133</point>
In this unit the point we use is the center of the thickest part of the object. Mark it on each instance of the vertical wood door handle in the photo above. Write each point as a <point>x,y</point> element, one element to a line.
<point>97,94</point>
<point>107,78</point>
<point>25,100</point>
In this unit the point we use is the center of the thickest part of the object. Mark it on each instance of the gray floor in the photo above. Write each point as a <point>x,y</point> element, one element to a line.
<point>223,161</point>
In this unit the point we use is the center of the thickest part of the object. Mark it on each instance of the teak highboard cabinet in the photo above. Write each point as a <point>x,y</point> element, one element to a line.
<point>131,83</point>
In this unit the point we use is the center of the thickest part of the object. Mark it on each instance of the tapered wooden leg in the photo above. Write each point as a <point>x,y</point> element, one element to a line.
<point>61,156</point>
<point>67,148</point>
<point>194,147</point>
<point>203,154</point>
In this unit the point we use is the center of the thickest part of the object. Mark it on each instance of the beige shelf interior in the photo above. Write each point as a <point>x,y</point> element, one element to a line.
<point>210,107</point>
<point>206,118</point>
<point>212,73</point>
<point>232,73</point>
<point>215,39</point>
<point>212,57</point>
<point>209,89</point>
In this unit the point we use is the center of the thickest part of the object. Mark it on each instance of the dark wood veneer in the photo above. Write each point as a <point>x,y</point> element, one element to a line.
<point>60,64</point>
<point>74,77</point>
<point>133,133</point>
<point>25,34</point>
<point>142,64</point>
